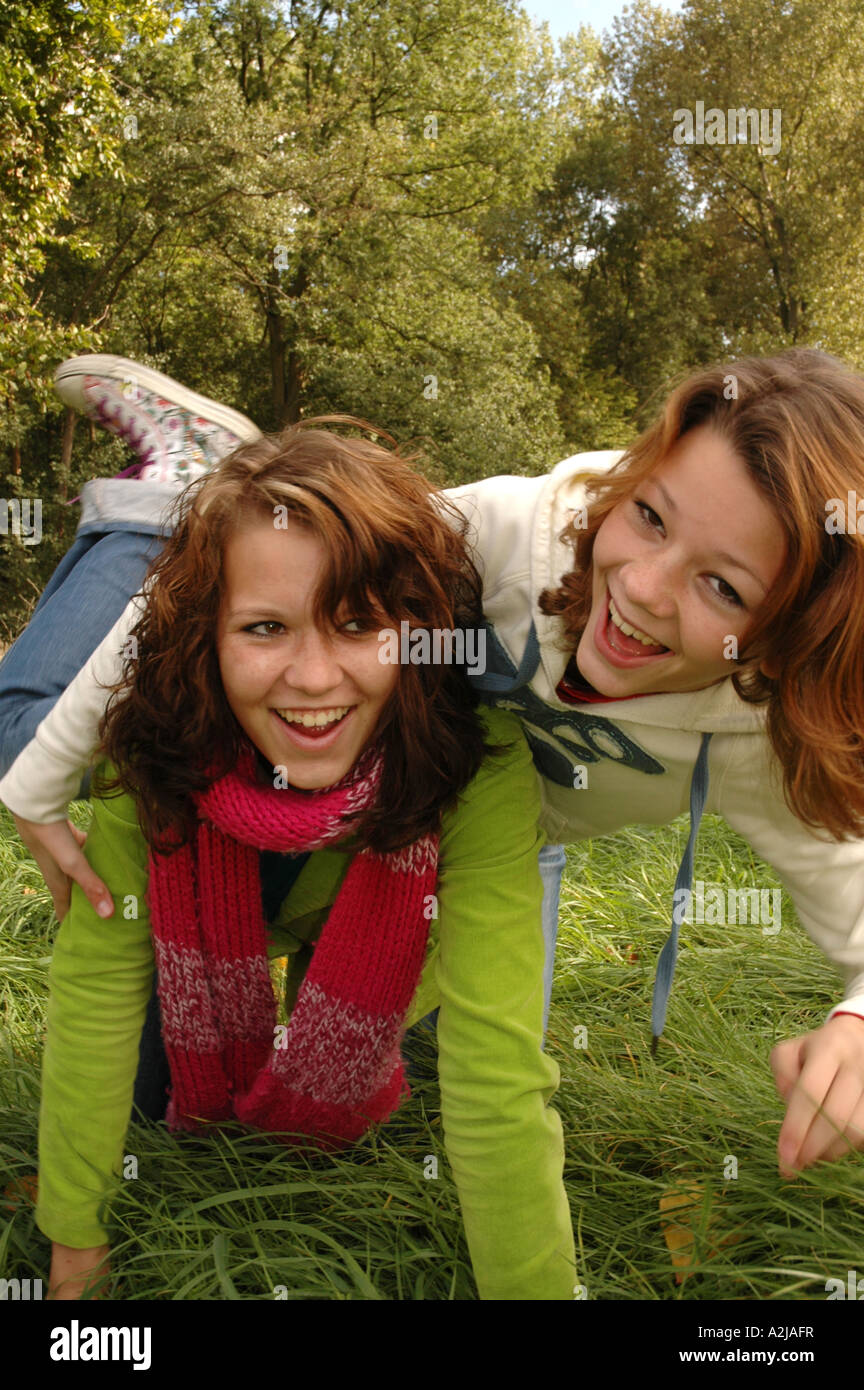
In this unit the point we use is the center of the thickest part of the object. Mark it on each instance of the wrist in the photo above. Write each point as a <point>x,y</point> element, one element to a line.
<point>75,1272</point>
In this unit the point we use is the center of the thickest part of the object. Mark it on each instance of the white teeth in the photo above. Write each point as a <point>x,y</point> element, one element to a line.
<point>313,719</point>
<point>631,631</point>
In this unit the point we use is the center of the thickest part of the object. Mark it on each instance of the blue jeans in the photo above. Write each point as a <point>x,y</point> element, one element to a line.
<point>81,603</point>
<point>551,861</point>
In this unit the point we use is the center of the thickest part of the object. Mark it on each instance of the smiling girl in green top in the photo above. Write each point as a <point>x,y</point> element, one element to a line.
<point>255,719</point>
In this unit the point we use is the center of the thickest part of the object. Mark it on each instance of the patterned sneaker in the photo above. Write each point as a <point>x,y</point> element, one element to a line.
<point>177,434</point>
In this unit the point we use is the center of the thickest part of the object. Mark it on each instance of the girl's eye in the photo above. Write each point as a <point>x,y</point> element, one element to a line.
<point>647,515</point>
<point>730,596</point>
<point>356,625</point>
<point>651,519</point>
<point>256,628</point>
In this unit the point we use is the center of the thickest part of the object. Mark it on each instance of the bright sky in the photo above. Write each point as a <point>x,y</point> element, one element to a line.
<point>565,16</point>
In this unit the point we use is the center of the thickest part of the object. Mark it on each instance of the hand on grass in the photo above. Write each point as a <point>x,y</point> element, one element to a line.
<point>76,1273</point>
<point>821,1077</point>
<point>58,850</point>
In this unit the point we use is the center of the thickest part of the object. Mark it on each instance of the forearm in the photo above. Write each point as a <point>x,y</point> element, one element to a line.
<point>88,1078</point>
<point>504,1142</point>
<point>47,774</point>
<point>100,984</point>
<point>508,1168</point>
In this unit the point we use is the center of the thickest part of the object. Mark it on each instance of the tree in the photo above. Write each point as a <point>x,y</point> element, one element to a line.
<point>292,168</point>
<point>779,219</point>
<point>58,123</point>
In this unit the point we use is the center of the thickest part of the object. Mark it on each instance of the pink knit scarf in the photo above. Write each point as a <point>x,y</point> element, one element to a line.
<point>338,1068</point>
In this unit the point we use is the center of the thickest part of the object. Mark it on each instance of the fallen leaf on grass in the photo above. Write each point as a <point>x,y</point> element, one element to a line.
<point>688,1202</point>
<point>21,1191</point>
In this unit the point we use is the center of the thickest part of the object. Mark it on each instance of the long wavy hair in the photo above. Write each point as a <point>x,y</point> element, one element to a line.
<point>391,554</point>
<point>796,420</point>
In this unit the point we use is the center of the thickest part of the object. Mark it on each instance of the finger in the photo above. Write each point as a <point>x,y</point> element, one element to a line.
<point>91,885</point>
<point>852,1137</point>
<point>73,863</point>
<point>56,881</point>
<point>811,1088</point>
<point>786,1059</point>
<point>80,835</point>
<point>56,847</point>
<point>830,1123</point>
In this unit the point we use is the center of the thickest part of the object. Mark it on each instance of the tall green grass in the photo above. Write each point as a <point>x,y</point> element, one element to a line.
<point>241,1217</point>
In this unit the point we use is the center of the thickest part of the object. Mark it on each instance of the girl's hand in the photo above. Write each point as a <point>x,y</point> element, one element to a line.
<point>76,1272</point>
<point>824,1068</point>
<point>57,849</point>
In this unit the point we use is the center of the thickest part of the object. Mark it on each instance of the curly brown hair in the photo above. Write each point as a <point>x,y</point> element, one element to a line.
<point>390,550</point>
<point>796,420</point>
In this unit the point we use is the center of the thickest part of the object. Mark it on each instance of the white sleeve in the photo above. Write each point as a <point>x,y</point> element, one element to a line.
<point>47,773</point>
<point>514,519</point>
<point>499,513</point>
<point>824,877</point>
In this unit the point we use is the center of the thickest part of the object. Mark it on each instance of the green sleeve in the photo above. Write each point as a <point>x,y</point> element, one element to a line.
<point>100,980</point>
<point>504,1144</point>
<point>503,1140</point>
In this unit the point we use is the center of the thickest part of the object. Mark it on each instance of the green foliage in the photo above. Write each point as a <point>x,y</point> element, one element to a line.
<point>58,125</point>
<point>663,256</point>
<point>417,211</point>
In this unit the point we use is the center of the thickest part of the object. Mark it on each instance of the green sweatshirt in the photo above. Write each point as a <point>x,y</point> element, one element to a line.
<point>484,967</point>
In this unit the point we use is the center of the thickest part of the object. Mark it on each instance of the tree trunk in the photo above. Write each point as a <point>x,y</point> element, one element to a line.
<point>276,339</point>
<point>286,367</point>
<point>69,421</point>
<point>293,386</point>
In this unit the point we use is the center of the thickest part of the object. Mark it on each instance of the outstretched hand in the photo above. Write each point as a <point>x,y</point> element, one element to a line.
<point>820,1075</point>
<point>58,850</point>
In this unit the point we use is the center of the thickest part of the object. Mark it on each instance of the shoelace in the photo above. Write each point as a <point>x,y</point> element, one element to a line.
<point>124,431</point>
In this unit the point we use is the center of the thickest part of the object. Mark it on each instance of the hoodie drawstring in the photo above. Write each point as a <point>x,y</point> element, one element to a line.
<point>499,684</point>
<point>680,900</point>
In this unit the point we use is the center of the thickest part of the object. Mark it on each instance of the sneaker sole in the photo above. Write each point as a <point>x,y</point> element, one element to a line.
<point>69,379</point>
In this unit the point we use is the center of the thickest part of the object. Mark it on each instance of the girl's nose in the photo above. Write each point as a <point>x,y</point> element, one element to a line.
<point>313,666</point>
<point>650,584</point>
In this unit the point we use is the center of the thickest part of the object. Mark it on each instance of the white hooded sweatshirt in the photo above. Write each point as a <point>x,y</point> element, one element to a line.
<point>637,755</point>
<point>602,767</point>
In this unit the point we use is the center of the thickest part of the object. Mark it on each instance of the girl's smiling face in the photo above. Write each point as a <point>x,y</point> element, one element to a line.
<point>686,561</point>
<point>308,699</point>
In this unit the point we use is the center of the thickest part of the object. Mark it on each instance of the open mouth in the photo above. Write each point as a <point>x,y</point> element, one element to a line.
<point>314,724</point>
<point>624,644</point>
